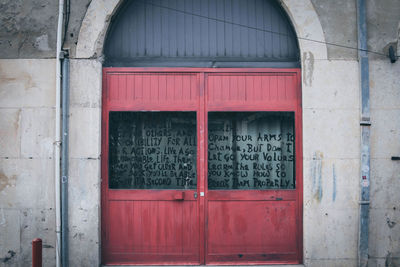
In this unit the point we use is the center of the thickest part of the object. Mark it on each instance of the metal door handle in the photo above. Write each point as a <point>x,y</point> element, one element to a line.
<point>179,196</point>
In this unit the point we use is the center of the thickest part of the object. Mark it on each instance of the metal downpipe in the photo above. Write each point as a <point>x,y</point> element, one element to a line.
<point>365,134</point>
<point>57,132</point>
<point>64,163</point>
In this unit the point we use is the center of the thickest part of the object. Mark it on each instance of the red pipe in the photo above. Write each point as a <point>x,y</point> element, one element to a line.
<point>37,252</point>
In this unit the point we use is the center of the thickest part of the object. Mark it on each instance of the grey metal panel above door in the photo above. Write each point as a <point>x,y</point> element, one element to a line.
<point>201,32</point>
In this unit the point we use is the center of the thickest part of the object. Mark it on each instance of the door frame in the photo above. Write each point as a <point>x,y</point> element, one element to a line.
<point>202,149</point>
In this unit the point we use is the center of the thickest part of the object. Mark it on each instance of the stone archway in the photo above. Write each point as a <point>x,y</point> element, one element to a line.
<point>302,14</point>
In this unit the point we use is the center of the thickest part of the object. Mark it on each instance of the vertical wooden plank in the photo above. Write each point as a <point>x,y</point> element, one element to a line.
<point>249,87</point>
<point>129,88</point>
<point>146,89</point>
<point>234,88</point>
<point>138,86</point>
<point>162,88</point>
<point>202,164</point>
<point>281,87</point>
<point>113,85</point>
<point>137,227</point>
<point>146,229</point>
<point>170,87</point>
<point>163,238</point>
<point>225,88</point>
<point>177,88</point>
<point>187,222</point>
<point>154,88</point>
<point>274,88</point>
<point>265,87</point>
<point>218,89</point>
<point>258,88</point>
<point>242,87</point>
<point>194,89</point>
<point>186,88</point>
<point>155,221</point>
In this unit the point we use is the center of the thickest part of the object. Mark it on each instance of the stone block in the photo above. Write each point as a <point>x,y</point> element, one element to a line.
<point>331,262</point>
<point>84,184</point>
<point>307,25</point>
<point>385,133</point>
<point>94,27</point>
<point>384,85</point>
<point>38,223</point>
<point>376,262</point>
<point>84,212</point>
<point>27,83</point>
<point>10,237</point>
<point>37,138</point>
<point>85,129</point>
<point>10,132</point>
<point>84,233</point>
<point>85,83</point>
<point>384,232</point>
<point>334,133</point>
<point>331,84</point>
<point>331,183</point>
<point>385,186</point>
<point>330,233</point>
<point>27,183</point>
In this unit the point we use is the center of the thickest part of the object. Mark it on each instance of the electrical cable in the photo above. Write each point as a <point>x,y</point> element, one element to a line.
<point>263,30</point>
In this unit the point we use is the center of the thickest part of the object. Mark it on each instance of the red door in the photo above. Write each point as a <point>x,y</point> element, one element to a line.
<point>201,166</point>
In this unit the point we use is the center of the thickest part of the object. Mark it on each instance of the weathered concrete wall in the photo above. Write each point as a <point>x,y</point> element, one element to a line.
<point>26,164</point>
<point>384,227</point>
<point>29,28</point>
<point>84,169</point>
<point>331,148</point>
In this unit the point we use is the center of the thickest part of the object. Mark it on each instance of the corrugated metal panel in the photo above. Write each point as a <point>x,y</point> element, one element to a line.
<point>147,32</point>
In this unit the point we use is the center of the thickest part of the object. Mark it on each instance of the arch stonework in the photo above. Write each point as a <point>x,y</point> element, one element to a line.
<point>302,14</point>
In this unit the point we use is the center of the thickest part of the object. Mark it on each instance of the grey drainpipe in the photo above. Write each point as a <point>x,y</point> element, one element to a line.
<point>64,162</point>
<point>365,134</point>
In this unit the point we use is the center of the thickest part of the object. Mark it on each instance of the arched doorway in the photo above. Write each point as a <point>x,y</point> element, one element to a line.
<point>201,142</point>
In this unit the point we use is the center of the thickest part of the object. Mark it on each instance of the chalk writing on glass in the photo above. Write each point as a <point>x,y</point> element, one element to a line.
<point>152,150</point>
<point>251,150</point>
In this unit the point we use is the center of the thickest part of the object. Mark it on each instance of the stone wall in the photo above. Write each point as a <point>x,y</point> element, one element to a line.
<point>27,100</point>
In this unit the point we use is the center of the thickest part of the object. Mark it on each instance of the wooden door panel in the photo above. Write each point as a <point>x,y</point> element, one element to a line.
<point>149,217</point>
<point>246,225</point>
<point>229,91</point>
<point>147,90</point>
<point>239,228</point>
<point>153,227</point>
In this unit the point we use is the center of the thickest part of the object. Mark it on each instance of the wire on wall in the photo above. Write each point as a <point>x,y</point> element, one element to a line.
<point>263,30</point>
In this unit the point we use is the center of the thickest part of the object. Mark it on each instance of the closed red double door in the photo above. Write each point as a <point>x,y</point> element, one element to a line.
<point>201,166</point>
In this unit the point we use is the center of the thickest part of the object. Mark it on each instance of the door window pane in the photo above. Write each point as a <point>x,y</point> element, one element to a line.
<point>251,150</point>
<point>152,150</point>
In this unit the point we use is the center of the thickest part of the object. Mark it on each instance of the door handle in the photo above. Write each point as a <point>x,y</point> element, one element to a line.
<point>179,196</point>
